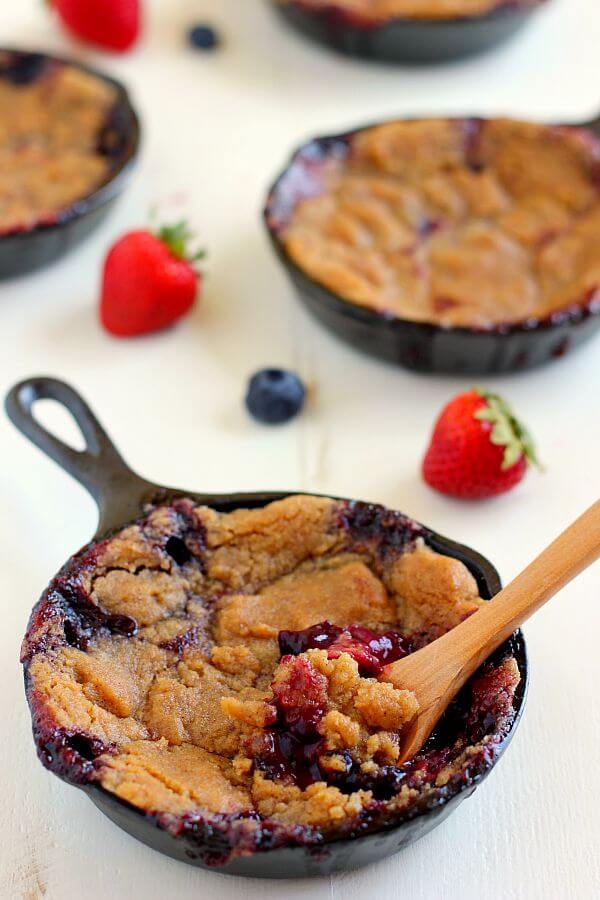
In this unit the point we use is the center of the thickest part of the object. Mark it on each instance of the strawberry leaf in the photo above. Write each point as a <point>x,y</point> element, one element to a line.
<point>507,431</point>
<point>177,238</point>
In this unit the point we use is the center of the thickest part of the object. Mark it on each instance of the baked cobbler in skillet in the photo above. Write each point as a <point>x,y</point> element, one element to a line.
<point>219,672</point>
<point>53,126</point>
<point>385,10</point>
<point>459,223</point>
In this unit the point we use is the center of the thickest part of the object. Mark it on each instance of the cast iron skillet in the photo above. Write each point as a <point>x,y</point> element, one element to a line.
<point>408,40</point>
<point>22,251</point>
<point>121,496</point>
<point>420,346</point>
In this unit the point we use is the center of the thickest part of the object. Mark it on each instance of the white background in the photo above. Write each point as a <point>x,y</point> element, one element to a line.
<point>217,129</point>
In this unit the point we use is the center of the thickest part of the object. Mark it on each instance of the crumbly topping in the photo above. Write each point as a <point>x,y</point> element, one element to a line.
<point>155,667</point>
<point>51,155</point>
<point>159,776</point>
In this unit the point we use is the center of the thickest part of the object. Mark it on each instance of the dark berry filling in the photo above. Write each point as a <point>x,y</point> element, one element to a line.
<point>300,700</point>
<point>383,784</point>
<point>187,539</point>
<point>428,227</point>
<point>71,755</point>
<point>317,637</point>
<point>193,637</point>
<point>215,841</point>
<point>23,68</point>
<point>178,550</point>
<point>290,748</point>
<point>370,650</point>
<point>391,531</point>
<point>284,757</point>
<point>84,621</point>
<point>472,135</point>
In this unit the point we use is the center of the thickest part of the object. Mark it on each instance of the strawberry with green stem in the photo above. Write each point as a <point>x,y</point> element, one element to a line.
<point>478,448</point>
<point>149,280</point>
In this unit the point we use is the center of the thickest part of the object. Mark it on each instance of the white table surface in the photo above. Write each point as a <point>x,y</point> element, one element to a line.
<point>217,128</point>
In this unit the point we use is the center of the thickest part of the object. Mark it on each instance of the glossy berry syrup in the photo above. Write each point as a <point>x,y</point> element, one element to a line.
<point>370,650</point>
<point>290,747</point>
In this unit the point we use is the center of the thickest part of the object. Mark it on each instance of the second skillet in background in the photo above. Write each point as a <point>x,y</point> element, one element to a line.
<point>446,245</point>
<point>421,31</point>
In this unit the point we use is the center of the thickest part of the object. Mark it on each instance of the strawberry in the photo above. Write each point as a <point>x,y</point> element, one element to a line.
<point>149,281</point>
<point>478,448</point>
<point>110,24</point>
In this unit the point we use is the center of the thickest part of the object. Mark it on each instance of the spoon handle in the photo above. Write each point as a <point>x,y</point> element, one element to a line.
<point>441,669</point>
<point>572,552</point>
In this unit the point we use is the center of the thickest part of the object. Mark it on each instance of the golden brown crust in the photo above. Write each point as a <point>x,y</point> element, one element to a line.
<point>180,704</point>
<point>434,592</point>
<point>343,593</point>
<point>319,805</point>
<point>160,777</point>
<point>50,130</point>
<point>456,222</point>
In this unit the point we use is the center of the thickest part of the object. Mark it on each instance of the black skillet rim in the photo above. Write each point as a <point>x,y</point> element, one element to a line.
<point>364,23</point>
<point>113,182</point>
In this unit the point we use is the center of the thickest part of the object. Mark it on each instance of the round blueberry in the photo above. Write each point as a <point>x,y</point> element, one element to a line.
<point>203,37</point>
<point>275,396</point>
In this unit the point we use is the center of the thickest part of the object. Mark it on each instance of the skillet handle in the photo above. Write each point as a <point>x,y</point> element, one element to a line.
<point>118,491</point>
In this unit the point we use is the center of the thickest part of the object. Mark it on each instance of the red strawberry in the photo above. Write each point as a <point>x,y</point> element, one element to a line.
<point>478,448</point>
<point>111,24</point>
<point>149,281</point>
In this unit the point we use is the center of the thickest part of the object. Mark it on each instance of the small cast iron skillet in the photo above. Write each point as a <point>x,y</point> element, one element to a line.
<point>23,250</point>
<point>409,40</point>
<point>421,346</point>
<point>121,496</point>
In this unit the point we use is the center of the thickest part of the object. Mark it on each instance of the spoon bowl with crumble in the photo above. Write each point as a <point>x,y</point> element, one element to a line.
<point>211,669</point>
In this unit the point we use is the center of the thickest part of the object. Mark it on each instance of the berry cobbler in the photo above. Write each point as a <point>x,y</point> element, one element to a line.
<point>53,144</point>
<point>380,11</point>
<point>220,673</point>
<point>459,223</point>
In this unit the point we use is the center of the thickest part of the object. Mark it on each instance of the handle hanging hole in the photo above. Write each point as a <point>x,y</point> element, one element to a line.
<point>60,422</point>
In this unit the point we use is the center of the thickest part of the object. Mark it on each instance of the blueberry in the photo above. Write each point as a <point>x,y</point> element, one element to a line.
<point>203,37</point>
<point>275,396</point>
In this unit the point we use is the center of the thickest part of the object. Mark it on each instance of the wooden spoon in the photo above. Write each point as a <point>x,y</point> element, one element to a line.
<point>438,672</point>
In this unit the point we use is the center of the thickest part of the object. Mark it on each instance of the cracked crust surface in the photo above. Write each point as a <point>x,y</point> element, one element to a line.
<point>456,222</point>
<point>154,669</point>
<point>50,155</point>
